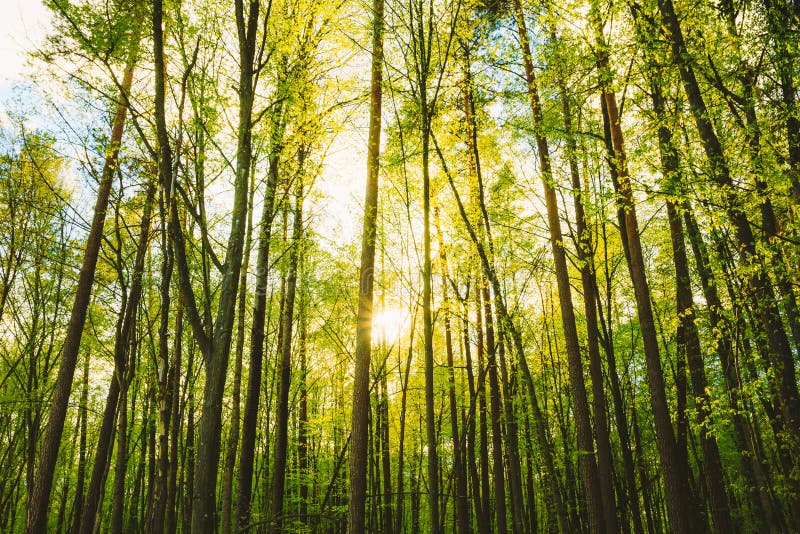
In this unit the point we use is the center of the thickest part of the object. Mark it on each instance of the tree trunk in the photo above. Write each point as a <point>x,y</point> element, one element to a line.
<point>359,433</point>
<point>48,453</point>
<point>484,521</point>
<point>156,521</point>
<point>120,468</point>
<point>386,460</point>
<point>285,365</point>
<point>79,485</point>
<point>178,405</point>
<point>302,422</point>
<point>588,465</point>
<point>461,502</point>
<point>470,460</point>
<point>498,469</point>
<point>712,468</point>
<point>513,461</point>
<point>250,419</point>
<point>399,509</point>
<point>216,359</point>
<point>228,519</point>
<point>677,506</point>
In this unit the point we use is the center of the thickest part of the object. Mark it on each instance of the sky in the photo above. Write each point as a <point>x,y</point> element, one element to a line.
<point>23,24</point>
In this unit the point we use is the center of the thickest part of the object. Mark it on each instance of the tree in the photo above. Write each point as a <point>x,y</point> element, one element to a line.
<point>359,426</point>
<point>48,453</point>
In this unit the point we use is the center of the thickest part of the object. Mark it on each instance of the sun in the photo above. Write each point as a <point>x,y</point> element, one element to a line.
<point>388,324</point>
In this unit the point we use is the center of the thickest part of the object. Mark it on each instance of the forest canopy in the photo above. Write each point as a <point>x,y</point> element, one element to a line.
<point>402,266</point>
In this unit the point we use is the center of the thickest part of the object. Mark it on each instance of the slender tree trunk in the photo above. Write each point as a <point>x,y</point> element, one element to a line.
<point>459,474</point>
<point>415,498</point>
<point>427,321</point>
<point>228,521</point>
<point>383,410</point>
<point>485,521</point>
<point>62,508</point>
<point>135,507</point>
<point>480,487</point>
<point>470,460</point>
<point>712,468</point>
<point>79,484</point>
<point>189,446</point>
<point>164,401</point>
<point>302,423</point>
<point>665,438</point>
<point>120,467</point>
<point>399,508</point>
<point>647,491</point>
<point>284,367</point>
<point>149,501</point>
<point>588,464</point>
<point>422,35</point>
<point>619,415</point>
<point>359,433</point>
<point>257,332</point>
<point>513,461</point>
<point>178,405</point>
<point>752,468</point>
<point>498,469</point>
<point>386,460</point>
<point>38,504</point>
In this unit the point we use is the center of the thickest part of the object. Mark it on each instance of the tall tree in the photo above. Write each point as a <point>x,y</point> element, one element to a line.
<point>285,363</point>
<point>761,295</point>
<point>51,442</point>
<point>360,413</point>
<point>214,344</point>
<point>665,438</point>
<point>588,463</point>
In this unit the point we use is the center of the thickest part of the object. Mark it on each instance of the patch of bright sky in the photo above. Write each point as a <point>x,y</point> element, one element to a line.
<point>23,24</point>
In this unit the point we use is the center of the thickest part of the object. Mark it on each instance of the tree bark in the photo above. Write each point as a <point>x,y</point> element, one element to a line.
<point>48,453</point>
<point>495,407</point>
<point>677,506</point>
<point>359,417</point>
<point>253,396</point>
<point>228,517</point>
<point>285,365</point>
<point>302,422</point>
<point>586,454</point>
<point>459,474</point>
<point>79,484</point>
<point>164,400</point>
